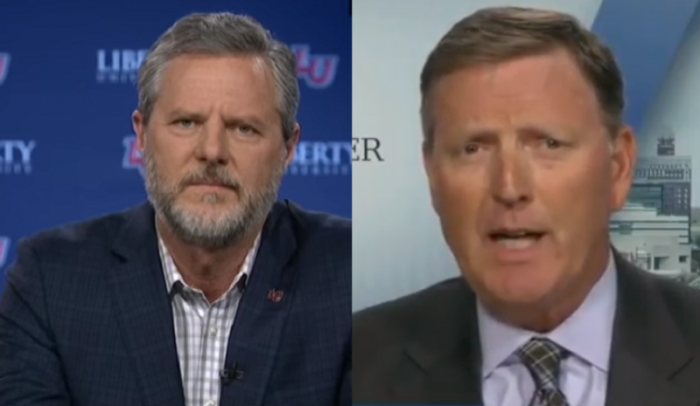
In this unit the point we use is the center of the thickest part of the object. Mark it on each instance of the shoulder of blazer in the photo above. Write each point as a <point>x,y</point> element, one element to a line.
<point>682,302</point>
<point>94,234</point>
<point>393,323</point>
<point>307,222</point>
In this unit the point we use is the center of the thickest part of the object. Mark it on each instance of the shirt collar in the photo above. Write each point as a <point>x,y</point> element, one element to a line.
<point>174,278</point>
<point>587,333</point>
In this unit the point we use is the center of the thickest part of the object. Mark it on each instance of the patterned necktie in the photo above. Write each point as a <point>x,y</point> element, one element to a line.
<point>542,357</point>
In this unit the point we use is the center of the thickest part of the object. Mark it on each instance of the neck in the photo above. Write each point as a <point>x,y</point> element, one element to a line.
<point>210,270</point>
<point>549,313</point>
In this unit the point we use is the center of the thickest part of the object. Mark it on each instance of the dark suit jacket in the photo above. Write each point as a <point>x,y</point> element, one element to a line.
<point>424,348</point>
<point>85,318</point>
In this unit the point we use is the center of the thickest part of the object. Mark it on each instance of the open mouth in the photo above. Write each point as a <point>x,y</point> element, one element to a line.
<point>516,239</point>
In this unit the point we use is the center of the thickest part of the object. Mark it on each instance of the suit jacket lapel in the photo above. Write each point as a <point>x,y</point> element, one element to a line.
<point>649,354</point>
<point>443,362</point>
<point>260,320</point>
<point>144,311</point>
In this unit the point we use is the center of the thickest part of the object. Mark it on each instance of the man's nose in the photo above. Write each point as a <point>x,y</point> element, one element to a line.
<point>213,144</point>
<point>511,181</point>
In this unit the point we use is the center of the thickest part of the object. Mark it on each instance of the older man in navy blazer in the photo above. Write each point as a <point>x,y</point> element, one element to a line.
<point>213,292</point>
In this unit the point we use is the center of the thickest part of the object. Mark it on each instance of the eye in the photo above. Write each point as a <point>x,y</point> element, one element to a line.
<point>470,149</point>
<point>185,123</point>
<point>551,143</point>
<point>246,129</point>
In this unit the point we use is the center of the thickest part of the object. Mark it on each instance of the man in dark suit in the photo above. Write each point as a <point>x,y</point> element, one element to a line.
<point>527,158</point>
<point>212,293</point>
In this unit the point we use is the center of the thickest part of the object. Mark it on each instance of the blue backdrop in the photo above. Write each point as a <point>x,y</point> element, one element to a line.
<point>67,72</point>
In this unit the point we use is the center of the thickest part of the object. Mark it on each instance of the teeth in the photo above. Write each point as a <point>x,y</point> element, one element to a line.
<point>516,243</point>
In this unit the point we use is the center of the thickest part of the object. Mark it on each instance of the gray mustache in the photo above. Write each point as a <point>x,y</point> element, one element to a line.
<point>211,174</point>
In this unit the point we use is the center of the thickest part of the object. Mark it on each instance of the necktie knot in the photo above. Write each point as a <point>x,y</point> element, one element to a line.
<point>542,357</point>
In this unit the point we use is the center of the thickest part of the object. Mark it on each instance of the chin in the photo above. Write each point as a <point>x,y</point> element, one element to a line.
<point>199,201</point>
<point>529,297</point>
<point>518,285</point>
<point>203,210</point>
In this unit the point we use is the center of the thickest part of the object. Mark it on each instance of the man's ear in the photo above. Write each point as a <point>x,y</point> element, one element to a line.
<point>624,159</point>
<point>291,145</point>
<point>139,126</point>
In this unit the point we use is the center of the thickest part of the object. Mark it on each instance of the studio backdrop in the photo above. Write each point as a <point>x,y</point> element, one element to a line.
<point>397,244</point>
<point>67,91</point>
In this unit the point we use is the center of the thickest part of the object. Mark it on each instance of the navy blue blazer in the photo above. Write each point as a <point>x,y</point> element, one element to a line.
<point>85,318</point>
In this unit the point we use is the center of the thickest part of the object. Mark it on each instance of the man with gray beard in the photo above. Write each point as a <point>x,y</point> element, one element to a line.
<point>212,292</point>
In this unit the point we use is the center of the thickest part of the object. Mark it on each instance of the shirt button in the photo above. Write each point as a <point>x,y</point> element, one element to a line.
<point>213,332</point>
<point>210,402</point>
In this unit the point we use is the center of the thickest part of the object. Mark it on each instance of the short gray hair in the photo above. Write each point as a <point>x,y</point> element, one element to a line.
<point>222,34</point>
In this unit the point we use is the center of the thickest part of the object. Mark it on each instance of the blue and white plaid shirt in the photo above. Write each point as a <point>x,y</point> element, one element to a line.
<point>202,329</point>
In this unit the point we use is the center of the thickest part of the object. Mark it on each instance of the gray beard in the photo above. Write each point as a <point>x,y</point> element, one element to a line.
<point>211,232</point>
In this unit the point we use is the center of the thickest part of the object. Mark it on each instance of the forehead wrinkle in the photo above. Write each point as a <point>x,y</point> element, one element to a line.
<point>557,95</point>
<point>242,94</point>
<point>540,73</point>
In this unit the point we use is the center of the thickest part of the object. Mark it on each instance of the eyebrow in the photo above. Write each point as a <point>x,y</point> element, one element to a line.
<point>178,113</point>
<point>486,134</point>
<point>256,122</point>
